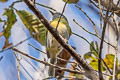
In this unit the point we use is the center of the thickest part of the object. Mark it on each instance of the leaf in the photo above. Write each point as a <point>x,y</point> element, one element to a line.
<point>118,75</point>
<point>3,0</point>
<point>1,20</point>
<point>94,64</point>
<point>94,48</point>
<point>33,24</point>
<point>71,1</point>
<point>109,60</point>
<point>1,34</point>
<point>11,19</point>
<point>96,44</point>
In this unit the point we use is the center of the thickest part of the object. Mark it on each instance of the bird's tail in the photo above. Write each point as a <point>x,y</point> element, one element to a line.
<point>51,69</point>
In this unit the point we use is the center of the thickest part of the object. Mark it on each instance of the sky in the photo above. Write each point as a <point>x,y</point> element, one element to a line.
<point>8,68</point>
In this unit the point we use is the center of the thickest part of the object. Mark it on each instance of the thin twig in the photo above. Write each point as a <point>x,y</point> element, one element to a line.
<point>65,78</point>
<point>101,46</point>
<point>94,34</point>
<point>62,14</point>
<point>88,18</point>
<point>45,6</point>
<point>10,47</point>
<point>37,49</point>
<point>115,64</point>
<point>30,75</point>
<point>94,49</point>
<point>18,66</point>
<point>18,1</point>
<point>1,57</point>
<point>46,53</point>
<point>48,64</point>
<point>34,67</point>
<point>105,3</point>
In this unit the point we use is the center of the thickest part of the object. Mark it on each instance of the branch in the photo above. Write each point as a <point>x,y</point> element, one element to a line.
<point>94,26</point>
<point>94,34</point>
<point>12,46</point>
<point>45,6</point>
<point>62,13</point>
<point>18,66</point>
<point>111,6</point>
<point>88,69</point>
<point>48,64</point>
<point>101,46</point>
<point>94,49</point>
<point>59,56</point>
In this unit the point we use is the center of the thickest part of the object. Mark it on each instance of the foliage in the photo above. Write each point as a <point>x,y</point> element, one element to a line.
<point>92,58</point>
<point>11,19</point>
<point>109,60</point>
<point>33,24</point>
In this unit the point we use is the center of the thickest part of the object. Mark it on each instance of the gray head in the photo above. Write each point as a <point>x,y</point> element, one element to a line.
<point>57,15</point>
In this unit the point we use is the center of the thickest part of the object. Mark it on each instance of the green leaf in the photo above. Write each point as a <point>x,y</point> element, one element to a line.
<point>94,48</point>
<point>1,20</point>
<point>97,48</point>
<point>34,25</point>
<point>71,1</point>
<point>109,60</point>
<point>11,19</point>
<point>118,75</point>
<point>94,64</point>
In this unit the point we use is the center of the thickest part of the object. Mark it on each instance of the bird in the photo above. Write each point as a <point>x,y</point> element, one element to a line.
<point>53,48</point>
<point>40,33</point>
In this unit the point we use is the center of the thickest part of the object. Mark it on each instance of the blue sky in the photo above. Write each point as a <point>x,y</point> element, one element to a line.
<point>19,33</point>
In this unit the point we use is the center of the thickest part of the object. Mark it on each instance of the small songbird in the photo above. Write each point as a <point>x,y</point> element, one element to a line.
<point>53,47</point>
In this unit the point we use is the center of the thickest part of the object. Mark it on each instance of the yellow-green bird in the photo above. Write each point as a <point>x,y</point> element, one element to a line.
<point>53,47</point>
<point>43,36</point>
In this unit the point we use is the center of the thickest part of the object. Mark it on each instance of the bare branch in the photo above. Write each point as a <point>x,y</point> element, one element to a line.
<point>48,64</point>
<point>94,26</point>
<point>111,6</point>
<point>101,46</point>
<point>94,34</point>
<point>18,66</point>
<point>62,13</point>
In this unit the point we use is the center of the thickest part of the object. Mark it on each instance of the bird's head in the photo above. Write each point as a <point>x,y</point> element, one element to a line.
<point>57,15</point>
